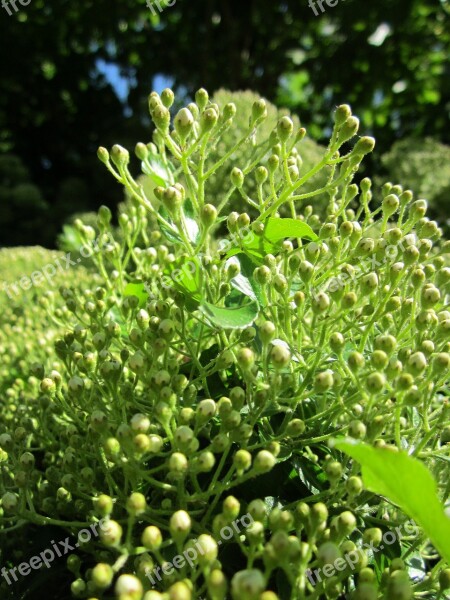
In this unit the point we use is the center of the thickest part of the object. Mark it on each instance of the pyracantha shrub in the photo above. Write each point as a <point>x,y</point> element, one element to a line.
<point>424,166</point>
<point>198,396</point>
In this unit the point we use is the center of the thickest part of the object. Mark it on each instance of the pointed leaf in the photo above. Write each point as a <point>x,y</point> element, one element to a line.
<point>405,481</point>
<point>230,318</point>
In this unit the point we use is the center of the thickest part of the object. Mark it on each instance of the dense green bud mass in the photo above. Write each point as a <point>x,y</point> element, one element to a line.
<point>185,389</point>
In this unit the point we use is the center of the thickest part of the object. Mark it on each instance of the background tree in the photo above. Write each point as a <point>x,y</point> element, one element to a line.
<point>75,75</point>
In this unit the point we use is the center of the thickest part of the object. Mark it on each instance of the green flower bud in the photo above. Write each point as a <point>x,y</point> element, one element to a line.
<point>430,296</point>
<point>264,461</point>
<point>208,120</point>
<point>245,358</point>
<point>280,356</point>
<point>201,98</point>
<point>48,386</point>
<point>328,553</point>
<point>9,501</point>
<point>273,163</point>
<point>319,514</point>
<point>172,198</point>
<point>205,462</point>
<point>285,128</point>
<point>373,536</point>
<point>376,382</point>
<point>248,585</point>
<point>102,576</point>
<point>306,270</point>
<point>180,591</point>
<point>364,145</point>
<point>208,549</point>
<point>151,538</point>
<point>111,533</point>
<point>262,275</point>
<point>369,283</point>
<point>180,526</point>
<point>345,523</point>
<point>237,178</point>
<point>136,504</point>
<point>295,428</point>
<point>412,397</point>
<point>103,155</point>
<point>348,130</point>
<point>141,151</point>
<point>128,587</point>
<point>178,463</point>
<point>365,591</point>
<point>103,505</point>
<point>418,210</point>
<point>320,303</point>
<point>242,460</point>
<point>261,175</point>
<point>217,585</point>
<point>78,588</point>
<point>342,114</point>
<point>161,118</point>
<point>120,156</point>
<point>183,123</point>
<point>390,205</point>
<point>417,363</point>
<point>167,97</point>
<point>259,111</point>
<point>208,215</point>
<point>441,362</point>
<point>324,381</point>
<point>399,586</point>
<point>333,469</point>
<point>354,486</point>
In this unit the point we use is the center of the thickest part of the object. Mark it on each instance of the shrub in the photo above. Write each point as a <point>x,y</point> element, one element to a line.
<point>195,393</point>
<point>424,166</point>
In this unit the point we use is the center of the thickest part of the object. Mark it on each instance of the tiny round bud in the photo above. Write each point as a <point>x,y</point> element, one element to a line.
<point>183,123</point>
<point>264,461</point>
<point>247,585</point>
<point>180,525</point>
<point>136,504</point>
<point>208,215</point>
<point>280,356</point>
<point>111,533</point>
<point>245,358</point>
<point>243,460</point>
<point>237,178</point>
<point>129,587</point>
<point>285,128</point>
<point>167,97</point>
<point>151,538</point>
<point>342,113</point>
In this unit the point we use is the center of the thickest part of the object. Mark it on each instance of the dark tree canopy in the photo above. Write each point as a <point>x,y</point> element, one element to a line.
<point>388,59</point>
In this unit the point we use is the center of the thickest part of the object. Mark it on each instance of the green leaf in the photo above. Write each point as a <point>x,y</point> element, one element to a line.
<point>138,290</point>
<point>275,232</point>
<point>405,481</point>
<point>158,171</point>
<point>192,228</point>
<point>230,318</point>
<point>186,275</point>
